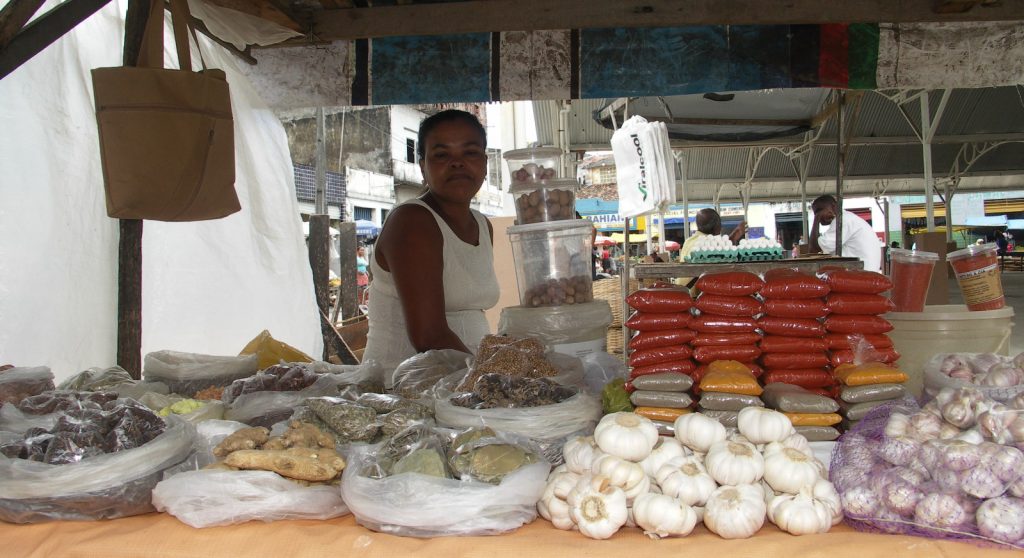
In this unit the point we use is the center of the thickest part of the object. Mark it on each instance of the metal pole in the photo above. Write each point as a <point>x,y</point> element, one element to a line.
<point>840,156</point>
<point>949,211</point>
<point>926,149</point>
<point>684,164</point>
<point>624,281</point>
<point>321,163</point>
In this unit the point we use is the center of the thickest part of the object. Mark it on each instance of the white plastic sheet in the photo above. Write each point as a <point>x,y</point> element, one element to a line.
<point>208,287</point>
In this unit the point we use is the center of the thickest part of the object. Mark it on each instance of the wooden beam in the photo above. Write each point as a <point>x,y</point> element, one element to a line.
<point>14,16</point>
<point>476,16</point>
<point>129,243</point>
<point>42,32</point>
<point>263,9</point>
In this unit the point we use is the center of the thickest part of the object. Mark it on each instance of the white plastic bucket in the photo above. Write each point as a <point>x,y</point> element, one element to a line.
<point>946,328</point>
<point>575,329</point>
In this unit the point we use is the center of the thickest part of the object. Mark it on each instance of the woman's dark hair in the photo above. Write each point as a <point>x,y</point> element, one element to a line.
<point>450,115</point>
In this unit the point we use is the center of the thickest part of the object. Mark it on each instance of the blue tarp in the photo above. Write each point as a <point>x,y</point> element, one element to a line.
<point>987,221</point>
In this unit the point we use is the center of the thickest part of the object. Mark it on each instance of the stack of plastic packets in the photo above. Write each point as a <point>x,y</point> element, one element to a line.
<point>659,353</point>
<point>793,348</point>
<point>866,386</point>
<point>726,388</point>
<point>726,327</point>
<point>855,326</point>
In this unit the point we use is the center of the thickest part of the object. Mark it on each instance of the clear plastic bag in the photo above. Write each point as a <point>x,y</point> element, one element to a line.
<point>599,368</point>
<point>719,401</point>
<point>18,383</point>
<point>417,505</point>
<point>14,420</point>
<point>187,373</point>
<point>101,487</point>
<point>210,498</point>
<point>667,399</point>
<point>795,399</point>
<point>418,374</point>
<point>264,408</point>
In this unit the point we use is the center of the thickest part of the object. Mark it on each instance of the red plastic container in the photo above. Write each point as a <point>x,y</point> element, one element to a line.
<point>977,272</point>
<point>911,277</point>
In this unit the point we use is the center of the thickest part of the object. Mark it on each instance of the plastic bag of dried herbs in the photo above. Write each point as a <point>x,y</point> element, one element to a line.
<point>429,482</point>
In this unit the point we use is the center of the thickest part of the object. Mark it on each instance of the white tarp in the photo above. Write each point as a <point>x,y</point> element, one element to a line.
<point>208,287</point>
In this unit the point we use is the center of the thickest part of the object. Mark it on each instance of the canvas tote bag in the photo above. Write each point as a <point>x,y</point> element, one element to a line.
<point>166,136</point>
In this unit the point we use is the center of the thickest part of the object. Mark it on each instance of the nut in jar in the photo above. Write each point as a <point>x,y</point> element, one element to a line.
<point>556,292</point>
<point>545,205</point>
<point>532,172</point>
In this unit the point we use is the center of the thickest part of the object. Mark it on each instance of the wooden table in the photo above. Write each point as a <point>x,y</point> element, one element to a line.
<point>161,535</point>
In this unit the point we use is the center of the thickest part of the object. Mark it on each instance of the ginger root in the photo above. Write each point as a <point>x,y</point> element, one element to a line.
<point>314,465</point>
<point>300,435</point>
<point>244,439</point>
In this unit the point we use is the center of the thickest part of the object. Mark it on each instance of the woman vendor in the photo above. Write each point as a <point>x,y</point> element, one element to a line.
<point>433,267</point>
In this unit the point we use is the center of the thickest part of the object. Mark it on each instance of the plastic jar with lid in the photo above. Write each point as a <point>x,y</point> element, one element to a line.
<point>911,277</point>
<point>546,200</point>
<point>977,273</point>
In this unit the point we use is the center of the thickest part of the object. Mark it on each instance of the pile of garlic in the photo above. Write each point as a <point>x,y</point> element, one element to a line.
<point>625,474</point>
<point>952,468</point>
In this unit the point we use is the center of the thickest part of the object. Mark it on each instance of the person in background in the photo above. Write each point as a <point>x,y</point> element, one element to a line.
<point>433,263</point>
<point>708,222</point>
<point>1001,243</point>
<point>859,240</point>
<point>362,274</point>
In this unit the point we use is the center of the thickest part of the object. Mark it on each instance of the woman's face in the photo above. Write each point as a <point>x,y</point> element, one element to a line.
<point>454,164</point>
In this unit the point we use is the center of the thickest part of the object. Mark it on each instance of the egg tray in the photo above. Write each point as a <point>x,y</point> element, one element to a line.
<point>712,256</point>
<point>758,254</point>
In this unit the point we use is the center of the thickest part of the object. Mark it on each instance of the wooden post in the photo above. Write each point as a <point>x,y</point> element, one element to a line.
<point>129,250</point>
<point>319,262</point>
<point>348,293</point>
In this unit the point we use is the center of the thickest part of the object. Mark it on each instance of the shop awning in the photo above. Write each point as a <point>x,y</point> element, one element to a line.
<point>633,238</point>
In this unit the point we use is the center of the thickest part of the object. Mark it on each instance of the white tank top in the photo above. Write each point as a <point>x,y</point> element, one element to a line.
<point>470,287</point>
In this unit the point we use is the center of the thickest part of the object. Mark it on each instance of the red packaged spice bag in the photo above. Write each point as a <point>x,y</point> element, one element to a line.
<point>791,361</point>
<point>660,354</point>
<point>849,341</point>
<point>660,300</point>
<point>858,303</point>
<point>730,283</point>
<point>886,355</point>
<point>857,281</point>
<point>739,353</point>
<point>685,366</point>
<point>793,327</point>
<point>652,321</point>
<point>722,324</point>
<point>783,344</point>
<point>804,377</point>
<point>795,308</point>
<point>706,339</point>
<point>840,323</point>
<point>720,305</point>
<point>790,283</point>
<point>662,338</point>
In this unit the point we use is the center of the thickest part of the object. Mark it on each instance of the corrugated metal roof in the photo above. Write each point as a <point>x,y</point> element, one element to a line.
<point>883,145</point>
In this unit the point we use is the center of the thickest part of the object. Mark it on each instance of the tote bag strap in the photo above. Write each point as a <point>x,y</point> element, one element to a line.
<point>152,53</point>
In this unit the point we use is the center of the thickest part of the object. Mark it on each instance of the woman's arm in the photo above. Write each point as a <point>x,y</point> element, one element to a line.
<point>410,247</point>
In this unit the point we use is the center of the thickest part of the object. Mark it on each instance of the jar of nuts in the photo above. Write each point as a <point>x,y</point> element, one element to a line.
<point>548,200</point>
<point>552,262</point>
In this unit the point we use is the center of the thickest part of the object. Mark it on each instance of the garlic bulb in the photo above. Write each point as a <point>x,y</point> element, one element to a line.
<point>925,426</point>
<point>735,512</point>
<point>698,432</point>
<point>799,514</point>
<point>597,507</point>
<point>971,436</point>
<point>686,479</point>
<point>1001,375</point>
<point>901,496</point>
<point>899,450</point>
<point>959,455</point>
<point>897,425</point>
<point>626,435</point>
<point>664,451</point>
<point>579,453</point>
<point>981,482</point>
<point>942,510</point>
<point>762,426</point>
<point>733,463</point>
<point>797,442</point>
<point>1002,519</point>
<point>621,473</point>
<point>789,470</point>
<point>552,504</point>
<point>663,516</point>
<point>1006,462</point>
<point>860,502</point>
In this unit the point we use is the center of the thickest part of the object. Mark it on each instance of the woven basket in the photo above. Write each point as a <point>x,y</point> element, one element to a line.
<point>610,290</point>
<point>614,340</point>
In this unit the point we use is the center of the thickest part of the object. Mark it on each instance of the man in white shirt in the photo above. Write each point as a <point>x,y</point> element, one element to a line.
<point>859,239</point>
